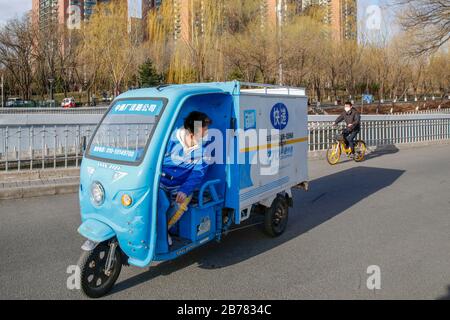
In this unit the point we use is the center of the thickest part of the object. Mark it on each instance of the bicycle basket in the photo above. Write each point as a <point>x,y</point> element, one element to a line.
<point>340,137</point>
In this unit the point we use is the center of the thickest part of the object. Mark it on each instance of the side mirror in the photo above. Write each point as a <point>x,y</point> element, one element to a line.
<point>83,143</point>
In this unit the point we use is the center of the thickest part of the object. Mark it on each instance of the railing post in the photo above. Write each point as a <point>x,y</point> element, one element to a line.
<point>55,147</point>
<point>6,148</point>
<point>65,147</point>
<point>43,147</point>
<point>31,146</point>
<point>77,144</point>
<point>314,137</point>
<point>19,148</point>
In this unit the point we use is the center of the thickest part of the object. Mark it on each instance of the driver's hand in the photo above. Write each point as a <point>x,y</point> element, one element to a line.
<point>350,125</point>
<point>181,197</point>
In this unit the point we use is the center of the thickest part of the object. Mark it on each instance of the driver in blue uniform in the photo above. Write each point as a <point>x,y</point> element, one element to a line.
<point>185,165</point>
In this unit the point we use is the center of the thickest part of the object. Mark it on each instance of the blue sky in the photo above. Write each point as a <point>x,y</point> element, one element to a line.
<point>10,9</point>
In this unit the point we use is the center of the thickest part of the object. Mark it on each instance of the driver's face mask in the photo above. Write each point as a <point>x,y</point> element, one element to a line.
<point>205,137</point>
<point>202,135</point>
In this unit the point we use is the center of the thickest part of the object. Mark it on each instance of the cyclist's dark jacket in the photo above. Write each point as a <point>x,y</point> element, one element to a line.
<point>353,117</point>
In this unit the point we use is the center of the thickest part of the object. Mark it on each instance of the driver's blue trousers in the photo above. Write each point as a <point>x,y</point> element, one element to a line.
<point>176,210</point>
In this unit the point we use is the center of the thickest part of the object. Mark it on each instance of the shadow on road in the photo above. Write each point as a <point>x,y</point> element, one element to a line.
<point>329,196</point>
<point>382,151</point>
<point>447,296</point>
<point>379,151</point>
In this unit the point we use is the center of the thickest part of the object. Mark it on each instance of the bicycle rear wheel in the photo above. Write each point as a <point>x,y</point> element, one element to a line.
<point>334,153</point>
<point>360,151</point>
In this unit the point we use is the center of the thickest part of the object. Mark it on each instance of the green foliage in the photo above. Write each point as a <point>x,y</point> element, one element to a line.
<point>148,76</point>
<point>236,74</point>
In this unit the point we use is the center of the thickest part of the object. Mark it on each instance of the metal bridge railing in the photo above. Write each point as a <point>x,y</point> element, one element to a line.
<point>431,111</point>
<point>83,110</point>
<point>383,129</point>
<point>42,146</point>
<point>41,142</point>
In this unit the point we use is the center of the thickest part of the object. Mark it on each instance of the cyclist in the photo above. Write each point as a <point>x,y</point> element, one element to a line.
<point>352,118</point>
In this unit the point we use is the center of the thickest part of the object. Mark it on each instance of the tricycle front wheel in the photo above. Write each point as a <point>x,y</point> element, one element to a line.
<point>95,280</point>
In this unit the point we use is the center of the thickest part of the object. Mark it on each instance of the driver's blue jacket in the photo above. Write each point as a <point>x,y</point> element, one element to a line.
<point>184,171</point>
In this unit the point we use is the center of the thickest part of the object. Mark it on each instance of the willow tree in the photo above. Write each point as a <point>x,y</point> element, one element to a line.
<point>205,46</point>
<point>250,45</point>
<point>438,73</point>
<point>163,44</point>
<point>300,37</point>
<point>109,48</point>
<point>161,32</point>
<point>197,54</point>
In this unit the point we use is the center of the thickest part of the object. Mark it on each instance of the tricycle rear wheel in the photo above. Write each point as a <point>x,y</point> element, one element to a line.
<point>276,217</point>
<point>95,283</point>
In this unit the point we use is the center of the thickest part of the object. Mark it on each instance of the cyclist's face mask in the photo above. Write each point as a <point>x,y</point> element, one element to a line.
<point>348,109</point>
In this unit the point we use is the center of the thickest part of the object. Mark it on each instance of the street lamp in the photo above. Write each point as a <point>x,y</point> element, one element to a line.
<point>51,80</point>
<point>279,23</point>
<point>3,96</point>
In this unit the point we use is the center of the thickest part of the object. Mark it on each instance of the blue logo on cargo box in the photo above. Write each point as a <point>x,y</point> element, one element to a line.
<point>279,116</point>
<point>249,119</point>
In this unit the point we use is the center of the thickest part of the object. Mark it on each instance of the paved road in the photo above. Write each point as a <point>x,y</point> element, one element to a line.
<point>392,211</point>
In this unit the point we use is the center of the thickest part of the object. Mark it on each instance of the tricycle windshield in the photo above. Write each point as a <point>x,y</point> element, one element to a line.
<point>126,130</point>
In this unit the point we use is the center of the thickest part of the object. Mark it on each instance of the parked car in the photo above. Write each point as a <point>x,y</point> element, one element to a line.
<point>106,97</point>
<point>19,103</point>
<point>68,103</point>
<point>14,102</point>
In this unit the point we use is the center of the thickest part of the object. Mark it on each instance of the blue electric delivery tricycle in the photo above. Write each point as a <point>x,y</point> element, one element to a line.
<point>123,208</point>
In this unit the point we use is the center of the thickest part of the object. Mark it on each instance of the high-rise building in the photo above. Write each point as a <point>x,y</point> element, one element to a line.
<point>88,6</point>
<point>72,12</point>
<point>182,19</point>
<point>344,19</point>
<point>274,12</point>
<point>341,15</point>
<point>189,15</point>
<point>46,12</point>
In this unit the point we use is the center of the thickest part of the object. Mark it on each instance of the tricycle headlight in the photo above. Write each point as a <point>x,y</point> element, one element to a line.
<point>97,193</point>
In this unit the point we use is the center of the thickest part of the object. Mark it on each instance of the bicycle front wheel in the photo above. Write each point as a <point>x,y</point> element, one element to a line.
<point>334,153</point>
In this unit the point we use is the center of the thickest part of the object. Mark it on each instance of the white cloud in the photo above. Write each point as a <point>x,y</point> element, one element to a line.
<point>10,9</point>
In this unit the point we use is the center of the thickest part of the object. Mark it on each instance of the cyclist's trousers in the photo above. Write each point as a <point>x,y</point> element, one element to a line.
<point>349,137</point>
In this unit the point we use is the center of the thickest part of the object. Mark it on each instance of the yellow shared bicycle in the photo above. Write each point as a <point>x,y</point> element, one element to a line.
<point>338,147</point>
